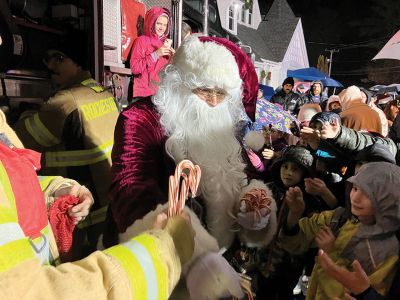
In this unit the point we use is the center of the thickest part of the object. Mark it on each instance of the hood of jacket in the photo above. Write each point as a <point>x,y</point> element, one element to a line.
<point>314,83</point>
<point>150,21</point>
<point>380,181</point>
<point>349,97</point>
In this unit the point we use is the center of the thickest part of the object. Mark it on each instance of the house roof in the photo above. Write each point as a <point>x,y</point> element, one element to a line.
<point>271,40</point>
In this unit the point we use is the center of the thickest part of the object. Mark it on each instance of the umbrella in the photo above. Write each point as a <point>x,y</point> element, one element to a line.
<point>393,88</point>
<point>268,114</point>
<point>268,91</point>
<point>312,74</point>
<point>391,50</point>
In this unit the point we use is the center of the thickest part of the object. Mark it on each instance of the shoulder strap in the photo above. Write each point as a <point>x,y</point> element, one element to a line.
<point>338,219</point>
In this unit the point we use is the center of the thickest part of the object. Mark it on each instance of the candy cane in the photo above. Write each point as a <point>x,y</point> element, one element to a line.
<point>177,194</point>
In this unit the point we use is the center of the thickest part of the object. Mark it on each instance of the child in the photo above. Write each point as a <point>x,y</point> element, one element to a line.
<point>279,270</point>
<point>368,235</point>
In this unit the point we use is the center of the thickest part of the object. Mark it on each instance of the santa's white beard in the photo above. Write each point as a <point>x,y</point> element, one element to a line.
<point>206,136</point>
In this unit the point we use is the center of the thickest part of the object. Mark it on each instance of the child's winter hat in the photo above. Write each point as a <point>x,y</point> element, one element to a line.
<point>298,155</point>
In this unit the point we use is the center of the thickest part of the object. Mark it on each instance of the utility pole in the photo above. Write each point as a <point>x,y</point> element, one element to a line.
<point>330,59</point>
<point>205,18</point>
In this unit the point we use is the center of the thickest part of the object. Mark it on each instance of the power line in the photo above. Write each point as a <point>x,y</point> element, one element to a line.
<point>352,45</point>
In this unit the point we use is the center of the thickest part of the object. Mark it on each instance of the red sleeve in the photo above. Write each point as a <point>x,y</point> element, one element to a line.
<point>139,169</point>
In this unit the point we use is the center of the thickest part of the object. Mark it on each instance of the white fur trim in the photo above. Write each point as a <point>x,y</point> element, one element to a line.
<point>255,140</point>
<point>213,64</point>
<point>259,238</point>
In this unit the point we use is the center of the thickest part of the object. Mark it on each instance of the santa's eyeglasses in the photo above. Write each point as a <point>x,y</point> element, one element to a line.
<point>209,93</point>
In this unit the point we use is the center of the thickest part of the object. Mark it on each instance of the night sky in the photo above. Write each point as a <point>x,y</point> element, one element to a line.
<point>357,28</point>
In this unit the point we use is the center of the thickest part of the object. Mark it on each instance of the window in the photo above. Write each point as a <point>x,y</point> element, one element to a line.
<point>231,18</point>
<point>243,15</point>
<point>250,18</point>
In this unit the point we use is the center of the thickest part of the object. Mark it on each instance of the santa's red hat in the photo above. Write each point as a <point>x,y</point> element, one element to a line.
<point>219,62</point>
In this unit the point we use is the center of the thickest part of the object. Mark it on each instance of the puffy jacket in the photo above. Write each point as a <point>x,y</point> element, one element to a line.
<point>290,102</point>
<point>146,65</point>
<point>351,141</point>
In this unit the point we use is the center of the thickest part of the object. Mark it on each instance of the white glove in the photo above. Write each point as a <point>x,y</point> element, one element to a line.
<point>212,278</point>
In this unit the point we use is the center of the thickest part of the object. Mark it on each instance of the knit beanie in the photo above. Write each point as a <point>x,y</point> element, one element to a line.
<point>288,80</point>
<point>75,46</point>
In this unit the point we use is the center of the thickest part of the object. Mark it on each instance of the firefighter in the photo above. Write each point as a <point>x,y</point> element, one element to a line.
<point>74,128</point>
<point>147,267</point>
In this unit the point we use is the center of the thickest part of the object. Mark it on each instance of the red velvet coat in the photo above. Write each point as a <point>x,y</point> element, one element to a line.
<point>140,166</point>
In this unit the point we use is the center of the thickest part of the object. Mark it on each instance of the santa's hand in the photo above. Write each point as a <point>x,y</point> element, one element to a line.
<point>211,277</point>
<point>252,221</point>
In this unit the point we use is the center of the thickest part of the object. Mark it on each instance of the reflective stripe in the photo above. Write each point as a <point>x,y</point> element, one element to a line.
<point>79,157</point>
<point>93,84</point>
<point>9,209</point>
<point>40,133</point>
<point>10,232</point>
<point>45,181</point>
<point>132,268</point>
<point>13,253</point>
<point>41,246</point>
<point>98,108</point>
<point>146,271</point>
<point>161,271</point>
<point>147,267</point>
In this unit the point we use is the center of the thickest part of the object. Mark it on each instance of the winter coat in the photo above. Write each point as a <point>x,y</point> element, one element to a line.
<point>145,63</point>
<point>356,114</point>
<point>290,102</point>
<point>350,141</point>
<point>141,167</point>
<point>375,245</point>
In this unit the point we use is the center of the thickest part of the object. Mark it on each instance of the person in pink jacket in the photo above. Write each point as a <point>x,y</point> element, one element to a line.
<point>151,52</point>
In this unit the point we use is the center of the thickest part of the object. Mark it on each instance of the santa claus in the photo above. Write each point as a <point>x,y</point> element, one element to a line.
<point>196,115</point>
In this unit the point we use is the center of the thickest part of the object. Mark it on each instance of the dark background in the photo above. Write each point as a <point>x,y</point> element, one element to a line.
<point>357,28</point>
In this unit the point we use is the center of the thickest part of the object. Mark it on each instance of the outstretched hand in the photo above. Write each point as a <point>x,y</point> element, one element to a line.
<point>325,239</point>
<point>355,281</point>
<point>330,130</point>
<point>310,136</point>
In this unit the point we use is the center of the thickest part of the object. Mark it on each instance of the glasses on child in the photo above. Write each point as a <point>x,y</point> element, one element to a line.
<point>209,93</point>
<point>53,56</point>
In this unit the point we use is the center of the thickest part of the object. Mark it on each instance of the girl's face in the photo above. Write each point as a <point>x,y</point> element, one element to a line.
<point>291,173</point>
<point>361,206</point>
<point>161,25</point>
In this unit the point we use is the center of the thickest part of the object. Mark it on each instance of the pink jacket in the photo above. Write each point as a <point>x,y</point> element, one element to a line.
<point>144,64</point>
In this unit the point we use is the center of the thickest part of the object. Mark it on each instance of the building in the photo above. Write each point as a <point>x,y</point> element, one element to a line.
<point>274,40</point>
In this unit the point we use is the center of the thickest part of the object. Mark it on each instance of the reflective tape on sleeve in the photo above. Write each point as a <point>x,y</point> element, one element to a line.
<point>79,157</point>
<point>45,181</point>
<point>147,267</point>
<point>39,132</point>
<point>93,84</point>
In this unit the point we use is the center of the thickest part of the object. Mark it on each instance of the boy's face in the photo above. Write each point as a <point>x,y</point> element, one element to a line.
<point>361,206</point>
<point>291,173</point>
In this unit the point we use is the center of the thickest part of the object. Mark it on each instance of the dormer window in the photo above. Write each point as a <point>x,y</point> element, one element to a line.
<point>232,18</point>
<point>246,15</point>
